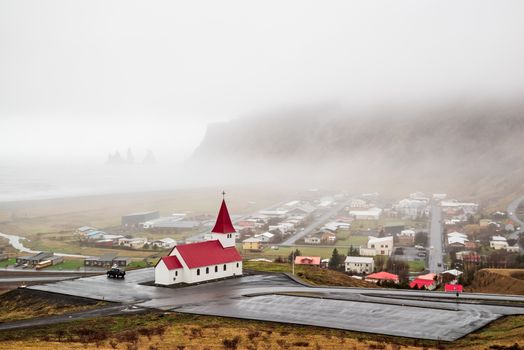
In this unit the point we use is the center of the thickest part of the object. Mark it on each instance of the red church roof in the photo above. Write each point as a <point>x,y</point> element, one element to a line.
<point>223,224</point>
<point>207,253</point>
<point>171,262</point>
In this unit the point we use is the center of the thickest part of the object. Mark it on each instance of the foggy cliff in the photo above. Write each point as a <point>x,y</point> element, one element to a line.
<point>473,149</point>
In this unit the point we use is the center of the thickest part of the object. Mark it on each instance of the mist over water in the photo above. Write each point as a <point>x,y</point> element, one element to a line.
<point>29,182</point>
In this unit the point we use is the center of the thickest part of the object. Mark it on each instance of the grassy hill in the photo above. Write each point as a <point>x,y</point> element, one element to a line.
<point>310,274</point>
<point>498,281</point>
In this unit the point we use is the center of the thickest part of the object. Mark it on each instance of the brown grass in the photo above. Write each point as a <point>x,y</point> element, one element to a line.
<point>21,304</point>
<point>155,330</point>
<point>498,281</point>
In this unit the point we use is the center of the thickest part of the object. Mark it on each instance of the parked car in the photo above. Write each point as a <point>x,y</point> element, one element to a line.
<point>116,272</point>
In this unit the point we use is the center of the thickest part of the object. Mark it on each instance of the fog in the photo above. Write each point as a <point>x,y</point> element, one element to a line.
<point>81,80</point>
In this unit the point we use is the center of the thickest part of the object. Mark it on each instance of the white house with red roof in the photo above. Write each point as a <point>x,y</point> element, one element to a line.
<point>203,261</point>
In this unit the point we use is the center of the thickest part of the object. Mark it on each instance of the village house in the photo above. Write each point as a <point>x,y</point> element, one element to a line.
<point>358,203</point>
<point>265,237</point>
<point>252,243</point>
<point>328,238</point>
<point>203,261</point>
<point>412,208</point>
<point>164,243</point>
<point>334,226</point>
<point>35,259</point>
<point>106,261</point>
<point>370,214</point>
<point>378,246</point>
<point>359,264</point>
<point>135,243</point>
<point>82,231</point>
<point>170,224</point>
<point>457,242</point>
<point>308,260</point>
<point>94,235</point>
<point>427,282</point>
<point>382,276</point>
<point>498,242</point>
<point>312,240</point>
<point>467,208</point>
<point>405,238</point>
<point>468,256</point>
<point>284,227</point>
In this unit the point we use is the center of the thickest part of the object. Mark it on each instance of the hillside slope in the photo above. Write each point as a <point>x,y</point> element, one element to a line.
<point>498,281</point>
<point>476,150</point>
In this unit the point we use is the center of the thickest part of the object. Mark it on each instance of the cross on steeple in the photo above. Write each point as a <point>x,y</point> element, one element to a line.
<point>223,194</point>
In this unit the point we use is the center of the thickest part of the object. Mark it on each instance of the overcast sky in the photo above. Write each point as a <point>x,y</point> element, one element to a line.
<point>90,77</point>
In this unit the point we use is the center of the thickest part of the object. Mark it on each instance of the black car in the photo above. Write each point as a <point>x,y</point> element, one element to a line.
<point>115,272</point>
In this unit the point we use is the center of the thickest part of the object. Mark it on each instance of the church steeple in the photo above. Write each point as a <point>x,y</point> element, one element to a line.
<point>223,229</point>
<point>223,223</point>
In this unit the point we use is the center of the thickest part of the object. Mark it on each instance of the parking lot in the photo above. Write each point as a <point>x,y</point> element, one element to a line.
<point>426,315</point>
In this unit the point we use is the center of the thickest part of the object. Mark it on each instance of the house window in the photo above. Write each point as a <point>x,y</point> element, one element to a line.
<point>237,265</point>
<point>216,268</point>
<point>224,267</point>
<point>198,272</point>
<point>207,270</point>
<point>372,246</point>
<point>176,273</point>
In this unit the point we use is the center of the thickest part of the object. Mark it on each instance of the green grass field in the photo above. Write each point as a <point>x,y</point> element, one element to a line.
<point>7,262</point>
<point>347,239</point>
<point>68,265</point>
<point>416,266</point>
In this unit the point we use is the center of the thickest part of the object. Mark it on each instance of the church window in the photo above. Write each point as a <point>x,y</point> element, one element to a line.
<point>198,272</point>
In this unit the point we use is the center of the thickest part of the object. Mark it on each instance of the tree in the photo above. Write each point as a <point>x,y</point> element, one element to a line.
<point>421,238</point>
<point>335,261</point>
<point>290,257</point>
<point>353,251</point>
<point>380,260</point>
<point>398,267</point>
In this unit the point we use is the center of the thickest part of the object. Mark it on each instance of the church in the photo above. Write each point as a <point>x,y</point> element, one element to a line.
<point>203,261</point>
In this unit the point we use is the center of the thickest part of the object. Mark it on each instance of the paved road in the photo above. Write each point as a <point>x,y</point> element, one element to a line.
<point>315,224</point>
<point>427,315</point>
<point>512,208</point>
<point>435,241</point>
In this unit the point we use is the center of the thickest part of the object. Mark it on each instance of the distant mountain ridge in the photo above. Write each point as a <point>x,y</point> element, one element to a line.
<point>447,146</point>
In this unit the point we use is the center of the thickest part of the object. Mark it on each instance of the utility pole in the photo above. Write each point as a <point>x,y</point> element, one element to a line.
<point>293,262</point>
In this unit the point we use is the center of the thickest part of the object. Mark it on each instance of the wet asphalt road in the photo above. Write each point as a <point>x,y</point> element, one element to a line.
<point>435,261</point>
<point>426,315</point>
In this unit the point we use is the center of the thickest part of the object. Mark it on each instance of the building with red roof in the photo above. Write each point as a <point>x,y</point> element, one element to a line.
<point>420,283</point>
<point>382,276</point>
<point>203,261</point>
<point>307,260</point>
